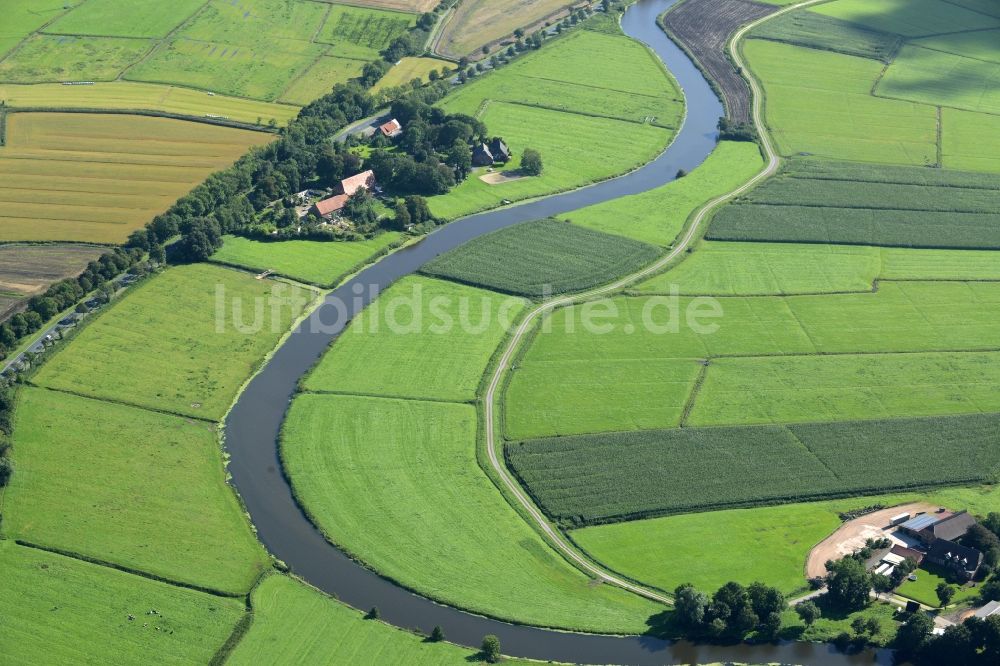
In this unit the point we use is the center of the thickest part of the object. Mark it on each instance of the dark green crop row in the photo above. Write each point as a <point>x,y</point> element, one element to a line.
<point>830,34</point>
<point>542,257</point>
<point>611,477</point>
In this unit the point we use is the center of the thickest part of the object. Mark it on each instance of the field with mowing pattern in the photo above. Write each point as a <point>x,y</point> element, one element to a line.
<point>478,22</point>
<point>911,18</point>
<point>410,68</point>
<point>75,612</point>
<point>936,77</point>
<point>361,33</point>
<point>168,328</point>
<point>320,78</point>
<point>541,258</point>
<point>970,140</point>
<point>445,331</point>
<point>125,18</point>
<point>397,484</point>
<point>939,264</point>
<point>317,262</point>
<point>26,270</point>
<point>827,33</point>
<point>659,472</point>
<point>97,177</point>
<point>143,490</point>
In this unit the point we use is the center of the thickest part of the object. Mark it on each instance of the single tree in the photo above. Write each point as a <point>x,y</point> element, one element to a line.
<point>373,614</point>
<point>437,634</point>
<point>490,649</point>
<point>531,162</point>
<point>690,606</point>
<point>945,593</point>
<point>808,612</point>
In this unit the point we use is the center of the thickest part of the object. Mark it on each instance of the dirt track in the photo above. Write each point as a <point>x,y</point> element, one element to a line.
<point>851,535</point>
<point>703,27</point>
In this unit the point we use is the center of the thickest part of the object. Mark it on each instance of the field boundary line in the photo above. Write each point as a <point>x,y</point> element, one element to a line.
<point>695,390</point>
<point>382,396</point>
<point>126,569</point>
<point>160,41</point>
<point>511,486</point>
<point>123,403</point>
<point>587,115</point>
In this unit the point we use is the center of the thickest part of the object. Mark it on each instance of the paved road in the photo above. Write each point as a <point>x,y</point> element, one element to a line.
<point>513,488</point>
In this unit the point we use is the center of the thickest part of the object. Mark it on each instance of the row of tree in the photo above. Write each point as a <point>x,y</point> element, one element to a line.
<point>732,611</point>
<point>6,428</point>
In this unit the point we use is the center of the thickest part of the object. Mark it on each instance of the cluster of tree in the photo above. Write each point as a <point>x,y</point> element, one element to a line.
<point>849,582</point>
<point>412,211</point>
<point>985,537</point>
<point>6,426</point>
<point>733,131</point>
<point>733,611</point>
<point>63,294</point>
<point>411,42</point>
<point>975,642</point>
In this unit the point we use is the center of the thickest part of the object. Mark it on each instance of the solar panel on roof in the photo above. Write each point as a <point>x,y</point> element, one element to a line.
<point>921,522</point>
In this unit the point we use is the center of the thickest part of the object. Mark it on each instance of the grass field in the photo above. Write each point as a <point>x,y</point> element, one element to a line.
<point>970,140</point>
<point>838,118</point>
<point>911,18</point>
<point>168,328</point>
<point>93,177</point>
<point>833,388</point>
<point>320,78</point>
<point>940,264</point>
<point>923,588</point>
<point>410,68</point>
<point>255,22</point>
<point>296,624</point>
<point>68,611</point>
<point>541,258</point>
<point>824,32</point>
<point>478,22</point>
<point>143,490</point>
<point>124,18</point>
<point>743,269</point>
<point>317,262</point>
<point>657,216</point>
<point>413,6</point>
<point>23,18</point>
<point>26,270</point>
<point>658,472</point>
<point>396,483</point>
<point>446,333</point>
<point>978,44</point>
<point>361,33</point>
<point>935,77</point>
<point>44,58</point>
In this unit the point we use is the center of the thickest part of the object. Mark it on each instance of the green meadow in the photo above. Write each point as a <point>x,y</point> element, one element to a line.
<point>912,264</point>
<point>935,77</point>
<point>447,333</point>
<point>970,140</point>
<point>64,610</point>
<point>142,490</point>
<point>192,328</point>
<point>396,483</point>
<point>358,32</point>
<point>125,18</point>
<point>255,22</point>
<point>320,78</point>
<point>817,31</point>
<point>22,18</point>
<point>911,18</point>
<point>924,588</point>
<point>59,58</point>
<point>317,262</point>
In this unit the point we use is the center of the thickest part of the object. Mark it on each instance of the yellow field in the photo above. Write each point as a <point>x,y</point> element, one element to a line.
<point>144,97</point>
<point>97,177</point>
<point>408,69</point>
<point>478,22</point>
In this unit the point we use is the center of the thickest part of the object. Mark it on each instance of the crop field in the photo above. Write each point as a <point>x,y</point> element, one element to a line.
<point>747,269</point>
<point>96,178</point>
<point>935,77</point>
<point>827,33</point>
<point>361,33</point>
<point>296,624</point>
<point>26,270</point>
<point>658,472</point>
<point>445,331</point>
<point>478,22</point>
<point>396,483</point>
<point>124,18</point>
<point>541,258</point>
<point>838,117</point>
<point>410,68</point>
<point>833,388</point>
<point>320,78</point>
<point>45,58</point>
<point>194,328</point>
<point>704,27</point>
<point>141,489</point>
<point>970,140</point>
<point>317,262</point>
<point>911,18</point>
<point>852,204</point>
<point>657,216</point>
<point>75,612</point>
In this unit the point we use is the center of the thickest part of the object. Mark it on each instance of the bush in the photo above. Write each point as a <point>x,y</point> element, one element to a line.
<point>531,162</point>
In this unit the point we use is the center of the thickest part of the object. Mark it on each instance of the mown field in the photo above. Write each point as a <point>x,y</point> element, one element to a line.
<point>361,33</point>
<point>96,178</point>
<point>410,68</point>
<point>936,77</point>
<point>26,270</point>
<point>924,588</point>
<point>396,483</point>
<point>114,18</point>
<point>911,18</point>
<point>320,78</point>
<point>659,472</point>
<point>295,624</point>
<point>541,258</point>
<point>478,22</point>
<point>143,490</point>
<point>817,31</point>
<point>23,18</point>
<point>446,333</point>
<point>657,216</point>
<point>317,262</point>
<point>939,264</point>
<point>858,204</point>
<point>192,328</point>
<point>68,611</point>
<point>970,140</point>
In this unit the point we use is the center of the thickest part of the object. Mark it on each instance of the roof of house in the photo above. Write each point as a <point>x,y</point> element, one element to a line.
<point>331,205</point>
<point>498,147</point>
<point>919,523</point>
<point>391,128</point>
<point>991,608</point>
<point>942,549</point>
<point>954,527</point>
<point>354,183</point>
<point>905,552</point>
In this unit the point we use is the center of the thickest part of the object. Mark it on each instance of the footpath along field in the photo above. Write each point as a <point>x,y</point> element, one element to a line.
<point>98,177</point>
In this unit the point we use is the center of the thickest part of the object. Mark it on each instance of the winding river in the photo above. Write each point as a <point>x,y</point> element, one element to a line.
<point>253,425</point>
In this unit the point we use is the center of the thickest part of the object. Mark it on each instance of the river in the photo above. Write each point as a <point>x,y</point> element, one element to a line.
<point>253,425</point>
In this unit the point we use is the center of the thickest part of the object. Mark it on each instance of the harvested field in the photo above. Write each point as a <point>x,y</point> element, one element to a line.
<point>479,22</point>
<point>26,270</point>
<point>703,28</point>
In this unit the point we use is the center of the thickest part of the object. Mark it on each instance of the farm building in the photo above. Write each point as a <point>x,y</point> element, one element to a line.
<point>992,608</point>
<point>931,527</point>
<point>490,154</point>
<point>903,552</point>
<point>961,560</point>
<point>365,179</point>
<point>391,129</point>
<point>327,208</point>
